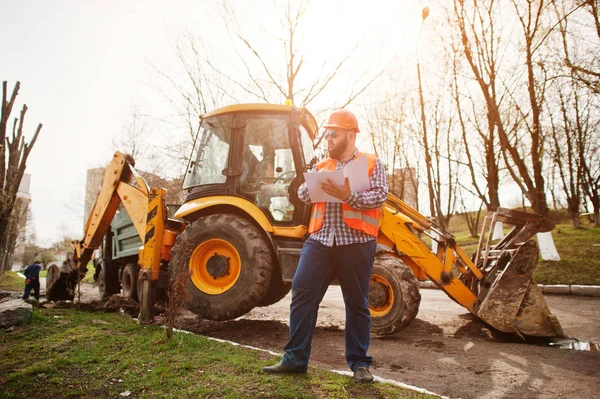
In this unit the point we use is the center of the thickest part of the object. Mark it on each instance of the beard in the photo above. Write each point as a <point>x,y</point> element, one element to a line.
<point>336,150</point>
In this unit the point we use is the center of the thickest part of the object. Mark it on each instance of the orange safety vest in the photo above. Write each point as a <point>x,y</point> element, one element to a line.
<point>366,220</point>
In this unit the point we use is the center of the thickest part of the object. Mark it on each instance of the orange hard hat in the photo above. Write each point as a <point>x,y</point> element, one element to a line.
<point>344,119</point>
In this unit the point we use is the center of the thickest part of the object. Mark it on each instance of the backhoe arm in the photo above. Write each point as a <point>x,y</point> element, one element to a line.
<point>115,190</point>
<point>145,207</point>
<point>495,285</point>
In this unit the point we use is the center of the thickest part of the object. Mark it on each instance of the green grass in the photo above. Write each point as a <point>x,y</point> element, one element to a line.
<point>10,281</point>
<point>580,259</point>
<point>89,275</point>
<point>66,353</point>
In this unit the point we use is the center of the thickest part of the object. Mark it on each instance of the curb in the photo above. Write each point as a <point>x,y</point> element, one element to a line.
<point>558,289</point>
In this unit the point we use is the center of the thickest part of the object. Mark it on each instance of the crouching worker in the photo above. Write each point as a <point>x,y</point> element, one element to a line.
<point>342,245</point>
<point>32,280</point>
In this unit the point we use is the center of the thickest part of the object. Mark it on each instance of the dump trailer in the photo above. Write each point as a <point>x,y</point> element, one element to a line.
<point>239,233</point>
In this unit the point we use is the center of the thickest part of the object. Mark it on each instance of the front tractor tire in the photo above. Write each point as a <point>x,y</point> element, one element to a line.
<point>394,296</point>
<point>230,265</point>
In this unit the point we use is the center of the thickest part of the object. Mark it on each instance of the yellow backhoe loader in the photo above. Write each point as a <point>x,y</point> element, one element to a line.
<point>241,227</point>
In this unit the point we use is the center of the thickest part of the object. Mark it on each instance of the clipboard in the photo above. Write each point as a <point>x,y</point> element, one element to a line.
<point>356,172</point>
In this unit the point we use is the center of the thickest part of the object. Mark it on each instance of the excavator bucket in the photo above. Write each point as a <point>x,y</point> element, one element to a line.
<point>61,281</point>
<point>511,301</point>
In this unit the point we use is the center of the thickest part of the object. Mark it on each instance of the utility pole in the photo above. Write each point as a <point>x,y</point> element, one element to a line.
<point>424,15</point>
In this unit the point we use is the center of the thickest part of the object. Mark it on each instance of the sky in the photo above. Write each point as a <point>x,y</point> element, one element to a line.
<point>84,65</point>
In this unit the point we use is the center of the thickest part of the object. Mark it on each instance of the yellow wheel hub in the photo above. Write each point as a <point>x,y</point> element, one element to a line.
<point>215,266</point>
<point>381,296</point>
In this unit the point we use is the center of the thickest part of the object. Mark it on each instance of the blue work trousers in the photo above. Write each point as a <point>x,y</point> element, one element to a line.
<point>34,285</point>
<point>352,265</point>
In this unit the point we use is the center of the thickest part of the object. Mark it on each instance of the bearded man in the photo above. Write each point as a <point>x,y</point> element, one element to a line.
<point>341,245</point>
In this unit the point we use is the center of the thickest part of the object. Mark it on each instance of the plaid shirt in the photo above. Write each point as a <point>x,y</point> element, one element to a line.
<point>334,230</point>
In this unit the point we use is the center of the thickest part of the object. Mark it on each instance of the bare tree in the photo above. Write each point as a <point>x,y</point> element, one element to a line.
<point>434,150</point>
<point>249,71</point>
<point>579,26</point>
<point>570,134</point>
<point>423,138</point>
<point>134,137</point>
<point>522,140</point>
<point>478,36</point>
<point>288,84</point>
<point>392,142</point>
<point>190,91</point>
<point>444,164</point>
<point>13,167</point>
<point>473,219</point>
<point>577,20</point>
<point>588,149</point>
<point>531,179</point>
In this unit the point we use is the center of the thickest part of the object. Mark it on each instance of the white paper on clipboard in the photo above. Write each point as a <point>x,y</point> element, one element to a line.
<point>356,172</point>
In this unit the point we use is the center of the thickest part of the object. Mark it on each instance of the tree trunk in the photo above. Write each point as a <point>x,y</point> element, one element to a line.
<point>473,223</point>
<point>428,164</point>
<point>3,252</point>
<point>573,209</point>
<point>12,168</point>
<point>596,205</point>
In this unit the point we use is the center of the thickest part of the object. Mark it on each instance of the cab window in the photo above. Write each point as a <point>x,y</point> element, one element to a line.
<point>211,153</point>
<point>268,166</point>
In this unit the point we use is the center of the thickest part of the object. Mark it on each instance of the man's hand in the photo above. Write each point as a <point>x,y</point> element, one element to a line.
<point>339,192</point>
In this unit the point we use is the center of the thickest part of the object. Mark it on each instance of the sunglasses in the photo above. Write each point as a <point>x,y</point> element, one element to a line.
<point>332,134</point>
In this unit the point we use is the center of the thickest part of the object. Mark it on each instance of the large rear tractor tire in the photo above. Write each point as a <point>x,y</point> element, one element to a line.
<point>230,265</point>
<point>394,296</point>
<point>277,289</point>
<point>129,281</point>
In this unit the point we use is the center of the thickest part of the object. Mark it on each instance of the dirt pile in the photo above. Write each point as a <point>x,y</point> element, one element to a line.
<point>114,303</point>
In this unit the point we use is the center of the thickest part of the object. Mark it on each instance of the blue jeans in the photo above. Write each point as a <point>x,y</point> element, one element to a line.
<point>319,264</point>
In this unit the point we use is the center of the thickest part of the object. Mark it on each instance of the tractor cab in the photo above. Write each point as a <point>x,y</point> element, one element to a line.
<point>254,152</point>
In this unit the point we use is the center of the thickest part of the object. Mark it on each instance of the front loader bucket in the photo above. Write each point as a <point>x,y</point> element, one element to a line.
<point>534,317</point>
<point>514,302</point>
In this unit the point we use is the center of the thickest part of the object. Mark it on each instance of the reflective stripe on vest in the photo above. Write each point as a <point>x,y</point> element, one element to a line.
<point>364,220</point>
<point>354,214</point>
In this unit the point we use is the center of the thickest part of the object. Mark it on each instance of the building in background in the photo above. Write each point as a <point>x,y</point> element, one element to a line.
<point>17,226</point>
<point>404,185</point>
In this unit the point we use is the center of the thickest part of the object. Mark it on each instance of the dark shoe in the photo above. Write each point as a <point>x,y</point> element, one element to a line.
<point>362,374</point>
<point>281,368</point>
